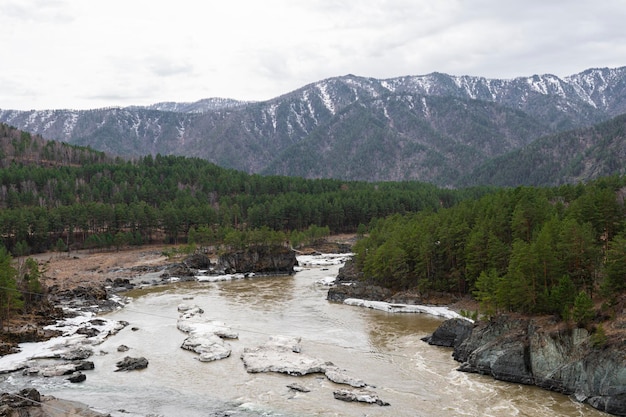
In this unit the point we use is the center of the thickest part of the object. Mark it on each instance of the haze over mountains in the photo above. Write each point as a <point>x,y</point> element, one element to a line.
<point>448,130</point>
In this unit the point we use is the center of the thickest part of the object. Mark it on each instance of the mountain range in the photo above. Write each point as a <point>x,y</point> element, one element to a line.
<point>448,130</point>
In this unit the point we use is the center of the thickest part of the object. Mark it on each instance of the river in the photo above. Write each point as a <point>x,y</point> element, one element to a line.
<point>381,348</point>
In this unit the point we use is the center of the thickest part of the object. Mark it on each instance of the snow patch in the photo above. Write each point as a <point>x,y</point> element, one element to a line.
<point>326,99</point>
<point>437,311</point>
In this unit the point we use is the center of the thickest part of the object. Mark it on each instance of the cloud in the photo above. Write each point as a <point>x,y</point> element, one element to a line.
<point>164,67</point>
<point>76,53</point>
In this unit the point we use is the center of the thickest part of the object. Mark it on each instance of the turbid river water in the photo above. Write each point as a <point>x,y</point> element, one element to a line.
<point>381,348</point>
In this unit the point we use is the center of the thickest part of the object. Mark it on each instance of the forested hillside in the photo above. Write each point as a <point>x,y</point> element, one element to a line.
<point>433,127</point>
<point>565,158</point>
<point>533,250</point>
<point>59,196</point>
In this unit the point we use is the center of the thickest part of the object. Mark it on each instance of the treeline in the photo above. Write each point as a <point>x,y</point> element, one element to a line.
<point>532,250</point>
<point>113,203</point>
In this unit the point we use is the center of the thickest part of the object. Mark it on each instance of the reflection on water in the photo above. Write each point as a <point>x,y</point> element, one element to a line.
<point>383,349</point>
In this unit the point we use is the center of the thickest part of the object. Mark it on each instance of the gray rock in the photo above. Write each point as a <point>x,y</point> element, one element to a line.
<point>561,359</point>
<point>451,333</point>
<point>77,377</point>
<point>130,364</point>
<point>259,259</point>
<point>364,396</point>
<point>298,387</point>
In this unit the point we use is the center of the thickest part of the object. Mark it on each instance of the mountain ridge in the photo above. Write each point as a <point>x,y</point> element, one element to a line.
<point>484,118</point>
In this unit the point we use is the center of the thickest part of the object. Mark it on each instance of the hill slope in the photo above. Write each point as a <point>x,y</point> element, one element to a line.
<point>433,127</point>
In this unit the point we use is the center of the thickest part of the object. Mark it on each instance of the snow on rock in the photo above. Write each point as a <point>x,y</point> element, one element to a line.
<point>79,333</point>
<point>220,278</point>
<point>321,260</point>
<point>339,376</point>
<point>282,354</point>
<point>438,311</point>
<point>364,396</point>
<point>209,347</point>
<point>328,281</point>
<point>205,337</point>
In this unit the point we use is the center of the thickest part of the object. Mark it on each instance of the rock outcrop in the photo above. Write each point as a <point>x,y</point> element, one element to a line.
<point>30,403</point>
<point>260,260</point>
<point>350,284</point>
<point>547,354</point>
<point>451,333</point>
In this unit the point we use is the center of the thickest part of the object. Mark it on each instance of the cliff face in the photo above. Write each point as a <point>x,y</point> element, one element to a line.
<point>523,350</point>
<point>259,259</point>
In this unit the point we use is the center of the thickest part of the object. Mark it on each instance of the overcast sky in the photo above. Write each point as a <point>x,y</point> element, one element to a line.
<point>81,54</point>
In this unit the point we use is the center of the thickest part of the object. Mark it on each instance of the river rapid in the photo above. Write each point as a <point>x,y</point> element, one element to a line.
<point>381,348</point>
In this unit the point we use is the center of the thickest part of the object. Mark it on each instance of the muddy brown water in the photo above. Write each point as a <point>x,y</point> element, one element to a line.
<point>383,349</point>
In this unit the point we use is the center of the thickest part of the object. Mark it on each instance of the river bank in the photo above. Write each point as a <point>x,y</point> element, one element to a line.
<point>260,295</point>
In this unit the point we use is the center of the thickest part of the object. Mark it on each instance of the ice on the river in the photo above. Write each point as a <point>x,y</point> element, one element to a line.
<point>328,281</point>
<point>220,278</point>
<point>205,337</point>
<point>321,260</point>
<point>57,346</point>
<point>438,311</point>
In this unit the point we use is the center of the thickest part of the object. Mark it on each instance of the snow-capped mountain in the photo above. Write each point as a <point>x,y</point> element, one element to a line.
<point>434,127</point>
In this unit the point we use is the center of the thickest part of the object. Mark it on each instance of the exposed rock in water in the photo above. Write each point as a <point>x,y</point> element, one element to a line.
<point>28,403</point>
<point>364,396</point>
<point>260,260</point>
<point>130,364</point>
<point>298,387</point>
<point>59,369</point>
<point>77,377</point>
<point>519,350</point>
<point>28,397</point>
<point>451,333</point>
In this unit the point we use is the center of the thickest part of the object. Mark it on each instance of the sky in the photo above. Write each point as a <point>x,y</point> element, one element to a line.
<point>85,54</point>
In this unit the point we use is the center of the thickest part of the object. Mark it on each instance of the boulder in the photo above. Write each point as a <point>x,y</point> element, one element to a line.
<point>451,333</point>
<point>298,387</point>
<point>78,353</point>
<point>364,396</point>
<point>28,397</point>
<point>77,377</point>
<point>130,364</point>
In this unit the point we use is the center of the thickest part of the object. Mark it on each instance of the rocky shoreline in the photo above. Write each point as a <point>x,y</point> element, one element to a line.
<point>69,313</point>
<point>537,351</point>
<point>527,350</point>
